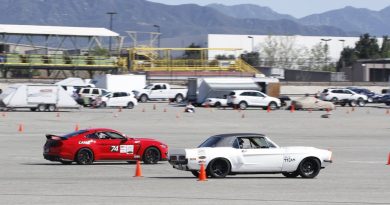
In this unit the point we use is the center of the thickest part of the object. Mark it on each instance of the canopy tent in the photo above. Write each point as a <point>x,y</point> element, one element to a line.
<point>55,30</point>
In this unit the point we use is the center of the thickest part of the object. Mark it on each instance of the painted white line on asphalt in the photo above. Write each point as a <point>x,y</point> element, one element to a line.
<point>367,162</point>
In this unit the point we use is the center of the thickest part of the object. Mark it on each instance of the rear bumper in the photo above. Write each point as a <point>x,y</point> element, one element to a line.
<point>54,158</point>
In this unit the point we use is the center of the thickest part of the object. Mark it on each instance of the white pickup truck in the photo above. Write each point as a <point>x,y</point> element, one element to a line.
<point>158,91</point>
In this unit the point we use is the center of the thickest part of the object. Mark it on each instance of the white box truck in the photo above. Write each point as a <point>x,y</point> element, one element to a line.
<point>37,97</point>
<point>120,83</point>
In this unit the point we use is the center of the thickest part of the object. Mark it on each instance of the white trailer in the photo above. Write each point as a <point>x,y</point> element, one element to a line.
<point>37,97</point>
<point>199,89</point>
<point>120,83</point>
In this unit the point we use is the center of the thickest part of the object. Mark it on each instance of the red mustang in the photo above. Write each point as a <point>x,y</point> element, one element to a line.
<point>89,145</point>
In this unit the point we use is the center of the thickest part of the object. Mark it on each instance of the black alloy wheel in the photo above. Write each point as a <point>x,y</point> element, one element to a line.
<point>151,155</point>
<point>84,157</point>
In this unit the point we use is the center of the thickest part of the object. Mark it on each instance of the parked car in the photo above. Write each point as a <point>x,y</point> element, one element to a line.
<point>90,145</point>
<point>312,103</point>
<point>343,96</point>
<point>242,153</point>
<point>159,91</point>
<point>252,98</point>
<point>383,99</point>
<point>86,96</point>
<point>215,102</point>
<point>117,99</point>
<point>370,94</point>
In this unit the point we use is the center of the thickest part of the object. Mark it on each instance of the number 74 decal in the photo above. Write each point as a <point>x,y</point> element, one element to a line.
<point>128,149</point>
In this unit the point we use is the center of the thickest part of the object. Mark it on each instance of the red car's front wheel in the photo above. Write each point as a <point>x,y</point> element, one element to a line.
<point>151,155</point>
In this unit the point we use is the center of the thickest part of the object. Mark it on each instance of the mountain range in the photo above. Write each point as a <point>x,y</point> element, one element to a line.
<point>183,24</point>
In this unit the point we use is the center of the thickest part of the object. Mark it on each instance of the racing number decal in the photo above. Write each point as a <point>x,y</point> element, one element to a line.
<point>114,148</point>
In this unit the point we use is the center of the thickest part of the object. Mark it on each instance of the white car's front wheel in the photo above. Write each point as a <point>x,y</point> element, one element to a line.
<point>243,105</point>
<point>309,168</point>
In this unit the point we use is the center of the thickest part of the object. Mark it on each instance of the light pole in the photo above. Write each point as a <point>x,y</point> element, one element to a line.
<point>111,17</point>
<point>251,37</point>
<point>159,34</point>
<point>342,57</point>
<point>326,57</point>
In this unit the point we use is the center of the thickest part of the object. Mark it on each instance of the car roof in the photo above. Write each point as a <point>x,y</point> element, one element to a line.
<point>100,129</point>
<point>239,135</point>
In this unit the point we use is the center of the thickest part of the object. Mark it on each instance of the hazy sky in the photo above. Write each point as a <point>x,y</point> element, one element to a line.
<point>296,8</point>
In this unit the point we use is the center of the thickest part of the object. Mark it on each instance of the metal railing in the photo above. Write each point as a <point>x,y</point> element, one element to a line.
<point>56,60</point>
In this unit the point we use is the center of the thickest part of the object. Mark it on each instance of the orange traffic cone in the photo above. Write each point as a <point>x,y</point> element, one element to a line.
<point>268,109</point>
<point>202,173</point>
<point>154,106</point>
<point>165,109</point>
<point>292,109</point>
<point>120,109</point>
<point>76,128</point>
<point>353,109</point>
<point>387,111</point>
<point>21,128</point>
<point>388,160</point>
<point>138,171</point>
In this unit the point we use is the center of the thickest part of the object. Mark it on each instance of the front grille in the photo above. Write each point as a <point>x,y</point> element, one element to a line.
<point>178,159</point>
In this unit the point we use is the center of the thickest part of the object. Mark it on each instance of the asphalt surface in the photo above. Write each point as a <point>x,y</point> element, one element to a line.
<point>359,139</point>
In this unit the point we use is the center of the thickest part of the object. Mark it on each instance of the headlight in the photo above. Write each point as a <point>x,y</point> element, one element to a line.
<point>164,146</point>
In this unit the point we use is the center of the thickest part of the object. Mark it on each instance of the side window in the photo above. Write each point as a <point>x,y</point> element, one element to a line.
<point>102,135</point>
<point>95,91</point>
<point>92,136</point>
<point>116,95</point>
<point>347,92</point>
<point>259,94</point>
<point>85,91</point>
<point>114,135</point>
<point>245,94</point>
<point>244,143</point>
<point>157,87</point>
<point>164,86</point>
<point>260,142</point>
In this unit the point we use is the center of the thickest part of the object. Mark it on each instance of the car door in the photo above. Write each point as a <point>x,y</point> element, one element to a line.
<point>114,100</point>
<point>258,156</point>
<point>260,99</point>
<point>156,92</point>
<point>109,145</point>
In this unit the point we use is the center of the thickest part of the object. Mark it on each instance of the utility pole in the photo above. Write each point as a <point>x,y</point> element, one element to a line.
<point>111,17</point>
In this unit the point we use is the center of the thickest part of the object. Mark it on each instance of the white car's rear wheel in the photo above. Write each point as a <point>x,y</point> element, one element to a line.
<point>219,168</point>
<point>130,105</point>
